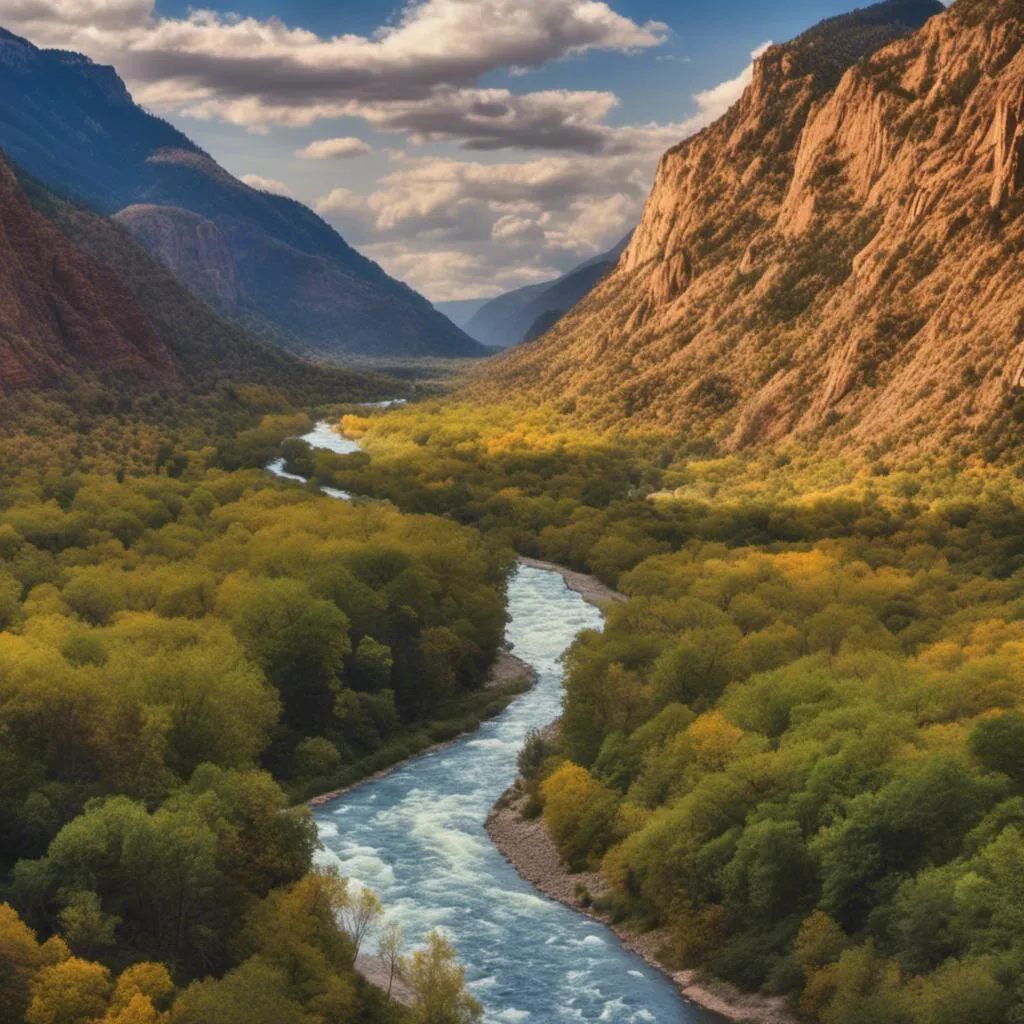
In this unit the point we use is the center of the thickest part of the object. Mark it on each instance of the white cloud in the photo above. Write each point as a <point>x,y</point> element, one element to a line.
<point>464,228</point>
<point>513,223</point>
<point>335,149</point>
<point>488,119</point>
<point>263,71</point>
<point>257,181</point>
<point>74,16</point>
<point>452,227</point>
<point>713,103</point>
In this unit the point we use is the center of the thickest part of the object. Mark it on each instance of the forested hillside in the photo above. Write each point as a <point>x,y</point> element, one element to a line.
<point>82,301</point>
<point>62,313</point>
<point>836,259</point>
<point>793,753</point>
<point>186,647</point>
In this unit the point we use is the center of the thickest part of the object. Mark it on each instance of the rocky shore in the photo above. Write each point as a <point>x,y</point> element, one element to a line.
<point>589,588</point>
<point>527,845</point>
<point>377,974</point>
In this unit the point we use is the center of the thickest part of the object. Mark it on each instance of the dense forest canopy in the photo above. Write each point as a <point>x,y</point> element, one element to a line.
<point>795,750</point>
<point>186,647</point>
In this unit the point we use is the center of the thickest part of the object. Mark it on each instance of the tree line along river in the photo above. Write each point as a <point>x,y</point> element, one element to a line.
<point>417,838</point>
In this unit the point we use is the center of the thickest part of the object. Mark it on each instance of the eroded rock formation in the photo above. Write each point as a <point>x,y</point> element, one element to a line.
<point>839,256</point>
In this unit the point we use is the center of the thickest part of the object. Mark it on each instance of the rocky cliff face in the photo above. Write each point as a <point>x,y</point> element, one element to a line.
<point>192,248</point>
<point>840,256</point>
<point>62,313</point>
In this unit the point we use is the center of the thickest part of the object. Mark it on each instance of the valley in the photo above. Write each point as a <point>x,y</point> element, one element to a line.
<point>392,511</point>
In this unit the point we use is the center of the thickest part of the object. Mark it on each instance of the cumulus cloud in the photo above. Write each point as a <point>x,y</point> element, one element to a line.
<point>460,228</point>
<point>713,103</point>
<point>335,149</point>
<point>464,228</point>
<point>489,119</point>
<point>452,227</point>
<point>257,181</point>
<point>267,71</point>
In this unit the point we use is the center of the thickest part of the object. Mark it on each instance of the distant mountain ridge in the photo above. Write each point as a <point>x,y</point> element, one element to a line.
<point>460,311</point>
<point>81,301</point>
<point>528,312</point>
<point>837,258</point>
<point>73,125</point>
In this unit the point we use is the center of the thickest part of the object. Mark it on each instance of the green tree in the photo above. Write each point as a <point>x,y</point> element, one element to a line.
<point>300,641</point>
<point>998,743</point>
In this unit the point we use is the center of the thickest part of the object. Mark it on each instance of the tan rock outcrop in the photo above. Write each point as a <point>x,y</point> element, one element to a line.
<point>854,240</point>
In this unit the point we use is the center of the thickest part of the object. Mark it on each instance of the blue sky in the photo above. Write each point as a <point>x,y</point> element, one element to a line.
<point>467,145</point>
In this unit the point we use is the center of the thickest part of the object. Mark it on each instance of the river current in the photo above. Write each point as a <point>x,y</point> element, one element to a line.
<point>417,838</point>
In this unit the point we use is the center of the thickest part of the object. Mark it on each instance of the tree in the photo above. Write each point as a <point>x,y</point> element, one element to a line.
<point>439,988</point>
<point>963,992</point>
<point>20,958</point>
<point>580,813</point>
<point>359,917</point>
<point>371,665</point>
<point>714,740</point>
<point>96,593</point>
<point>771,875</point>
<point>391,953</point>
<point>998,743</point>
<point>442,655</point>
<point>149,980</point>
<point>316,758</point>
<point>300,641</point>
<point>254,993</point>
<point>10,597</point>
<point>85,926</point>
<point>71,992</point>
<point>699,666</point>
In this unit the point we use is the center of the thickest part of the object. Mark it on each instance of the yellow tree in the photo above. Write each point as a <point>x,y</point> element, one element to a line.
<point>69,993</point>
<point>20,958</point>
<point>439,986</point>
<point>580,812</point>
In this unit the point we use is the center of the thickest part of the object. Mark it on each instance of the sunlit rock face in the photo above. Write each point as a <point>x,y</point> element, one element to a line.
<point>836,258</point>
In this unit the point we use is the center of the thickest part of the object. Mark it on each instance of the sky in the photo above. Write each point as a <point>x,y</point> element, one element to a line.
<point>468,146</point>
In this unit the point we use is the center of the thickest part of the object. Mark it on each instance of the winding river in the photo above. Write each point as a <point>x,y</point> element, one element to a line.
<point>417,838</point>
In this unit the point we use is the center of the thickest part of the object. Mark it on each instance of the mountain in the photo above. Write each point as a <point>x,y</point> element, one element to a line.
<point>62,312</point>
<point>266,261</point>
<point>460,311</point>
<point>80,299</point>
<point>528,312</point>
<point>838,257</point>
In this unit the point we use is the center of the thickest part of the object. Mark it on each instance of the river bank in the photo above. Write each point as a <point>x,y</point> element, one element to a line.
<point>590,588</point>
<point>527,845</point>
<point>508,672</point>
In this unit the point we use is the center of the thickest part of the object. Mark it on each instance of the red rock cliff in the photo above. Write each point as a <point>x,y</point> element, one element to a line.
<point>61,312</point>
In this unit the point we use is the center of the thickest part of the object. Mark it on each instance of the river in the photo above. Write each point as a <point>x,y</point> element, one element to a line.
<point>417,838</point>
